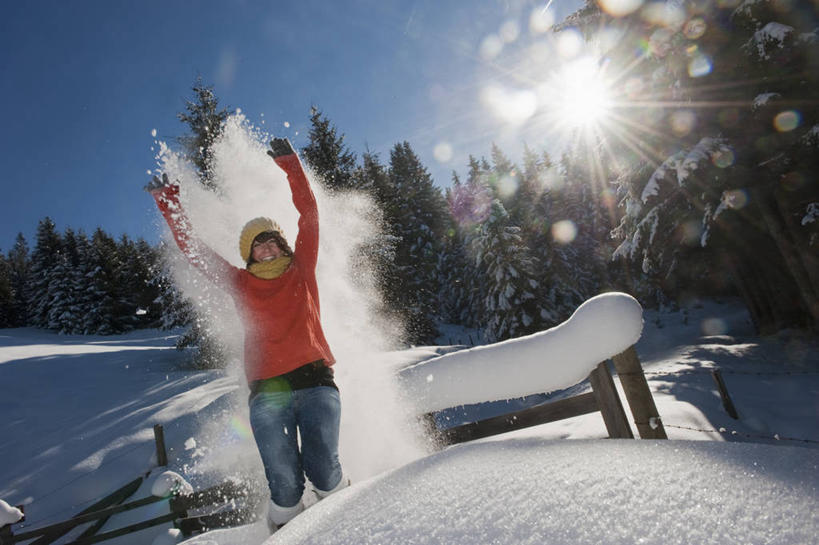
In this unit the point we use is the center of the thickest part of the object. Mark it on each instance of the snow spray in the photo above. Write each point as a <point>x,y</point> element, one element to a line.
<point>378,431</point>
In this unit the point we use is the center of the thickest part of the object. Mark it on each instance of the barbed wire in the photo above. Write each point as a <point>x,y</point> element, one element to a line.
<point>728,372</point>
<point>724,431</point>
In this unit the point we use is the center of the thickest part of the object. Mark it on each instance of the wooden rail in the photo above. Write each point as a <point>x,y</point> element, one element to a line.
<point>603,398</point>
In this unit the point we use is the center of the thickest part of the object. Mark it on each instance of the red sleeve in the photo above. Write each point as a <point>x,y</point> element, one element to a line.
<point>307,241</point>
<point>211,264</point>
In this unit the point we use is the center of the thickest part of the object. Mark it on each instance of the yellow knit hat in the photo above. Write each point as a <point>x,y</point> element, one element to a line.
<point>251,230</point>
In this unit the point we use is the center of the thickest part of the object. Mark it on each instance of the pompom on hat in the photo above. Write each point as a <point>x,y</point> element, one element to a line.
<point>251,230</point>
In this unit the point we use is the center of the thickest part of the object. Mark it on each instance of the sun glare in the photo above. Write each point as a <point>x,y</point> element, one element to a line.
<point>581,97</point>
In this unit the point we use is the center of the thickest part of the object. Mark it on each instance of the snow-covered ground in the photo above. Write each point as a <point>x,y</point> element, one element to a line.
<point>76,418</point>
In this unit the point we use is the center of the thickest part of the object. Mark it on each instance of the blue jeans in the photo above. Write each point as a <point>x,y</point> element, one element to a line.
<point>275,417</point>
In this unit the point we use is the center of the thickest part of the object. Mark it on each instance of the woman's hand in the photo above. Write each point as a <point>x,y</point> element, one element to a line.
<point>161,187</point>
<point>279,147</point>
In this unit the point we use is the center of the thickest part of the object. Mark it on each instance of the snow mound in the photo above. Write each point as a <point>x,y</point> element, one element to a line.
<point>9,514</point>
<point>560,357</point>
<point>171,536</point>
<point>534,491</point>
<point>168,483</point>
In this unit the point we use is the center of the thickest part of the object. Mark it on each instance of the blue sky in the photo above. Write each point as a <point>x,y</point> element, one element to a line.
<point>85,82</point>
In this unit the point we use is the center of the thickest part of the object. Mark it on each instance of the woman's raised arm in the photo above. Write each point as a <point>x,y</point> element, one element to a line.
<point>211,264</point>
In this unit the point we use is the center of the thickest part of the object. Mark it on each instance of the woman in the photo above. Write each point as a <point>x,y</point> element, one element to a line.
<point>286,357</point>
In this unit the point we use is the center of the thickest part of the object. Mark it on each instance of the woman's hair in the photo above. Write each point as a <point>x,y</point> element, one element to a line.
<point>281,242</point>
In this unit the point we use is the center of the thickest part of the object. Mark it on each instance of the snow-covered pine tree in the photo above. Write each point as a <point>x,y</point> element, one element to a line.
<point>19,265</point>
<point>716,181</point>
<point>63,313</point>
<point>206,122</point>
<point>419,222</point>
<point>327,155</point>
<point>379,252</point>
<point>6,298</point>
<point>454,269</point>
<point>102,318</point>
<point>44,257</point>
<point>510,306</point>
<point>174,309</point>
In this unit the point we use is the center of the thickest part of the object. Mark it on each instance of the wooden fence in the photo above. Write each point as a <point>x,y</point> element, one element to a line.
<point>214,507</point>
<point>603,398</point>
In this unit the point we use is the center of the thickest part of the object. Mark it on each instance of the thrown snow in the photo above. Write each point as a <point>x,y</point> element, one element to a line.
<point>534,491</point>
<point>168,483</point>
<point>560,357</point>
<point>9,514</point>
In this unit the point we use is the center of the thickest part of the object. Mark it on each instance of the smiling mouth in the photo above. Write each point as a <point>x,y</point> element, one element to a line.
<point>269,258</point>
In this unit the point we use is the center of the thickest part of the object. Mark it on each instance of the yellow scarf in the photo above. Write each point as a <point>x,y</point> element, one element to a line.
<point>270,269</point>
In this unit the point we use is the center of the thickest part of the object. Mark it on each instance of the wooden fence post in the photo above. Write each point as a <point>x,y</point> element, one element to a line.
<point>727,402</point>
<point>638,395</point>
<point>161,455</point>
<point>609,402</point>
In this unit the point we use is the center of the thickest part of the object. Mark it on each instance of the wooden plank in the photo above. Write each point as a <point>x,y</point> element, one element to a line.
<point>541,414</point>
<point>609,402</point>
<point>635,386</point>
<point>727,402</point>
<point>222,519</point>
<point>170,517</point>
<point>161,453</point>
<point>218,494</point>
<point>86,516</point>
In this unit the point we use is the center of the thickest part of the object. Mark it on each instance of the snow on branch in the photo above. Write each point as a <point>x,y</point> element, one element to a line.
<point>562,356</point>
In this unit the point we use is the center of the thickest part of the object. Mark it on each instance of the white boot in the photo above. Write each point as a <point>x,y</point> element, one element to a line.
<point>277,515</point>
<point>343,483</point>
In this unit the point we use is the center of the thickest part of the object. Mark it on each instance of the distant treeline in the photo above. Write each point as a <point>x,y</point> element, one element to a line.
<point>75,284</point>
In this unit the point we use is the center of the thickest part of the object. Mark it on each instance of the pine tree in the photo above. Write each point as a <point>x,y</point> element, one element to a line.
<point>174,309</point>
<point>419,222</point>
<point>6,296</point>
<point>19,265</point>
<point>510,306</point>
<point>44,258</point>
<point>63,312</point>
<point>205,121</point>
<point>103,318</point>
<point>327,155</point>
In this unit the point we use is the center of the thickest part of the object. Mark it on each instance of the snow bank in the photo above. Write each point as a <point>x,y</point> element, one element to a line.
<point>616,492</point>
<point>9,514</point>
<point>560,357</point>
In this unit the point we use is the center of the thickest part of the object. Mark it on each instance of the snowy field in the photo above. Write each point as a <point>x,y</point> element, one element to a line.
<point>76,418</point>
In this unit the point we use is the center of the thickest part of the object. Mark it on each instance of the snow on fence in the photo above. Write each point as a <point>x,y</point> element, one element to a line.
<point>604,327</point>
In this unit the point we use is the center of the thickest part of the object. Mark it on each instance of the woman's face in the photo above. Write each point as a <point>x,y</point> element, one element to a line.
<point>265,251</point>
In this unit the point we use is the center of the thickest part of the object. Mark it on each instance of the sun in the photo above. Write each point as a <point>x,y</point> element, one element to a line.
<point>580,95</point>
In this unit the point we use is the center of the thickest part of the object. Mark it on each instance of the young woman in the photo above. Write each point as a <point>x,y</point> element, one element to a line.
<point>288,363</point>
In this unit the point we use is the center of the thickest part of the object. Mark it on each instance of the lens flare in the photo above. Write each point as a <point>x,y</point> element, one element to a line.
<point>513,106</point>
<point>787,121</point>
<point>442,152</point>
<point>723,157</point>
<point>620,8</point>
<point>700,65</point>
<point>564,232</point>
<point>682,122</point>
<point>491,46</point>
<point>694,28</point>
<point>736,199</point>
<point>569,43</point>
<point>541,20</point>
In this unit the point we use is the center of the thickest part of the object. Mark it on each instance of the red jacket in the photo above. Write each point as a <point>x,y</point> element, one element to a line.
<point>281,316</point>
